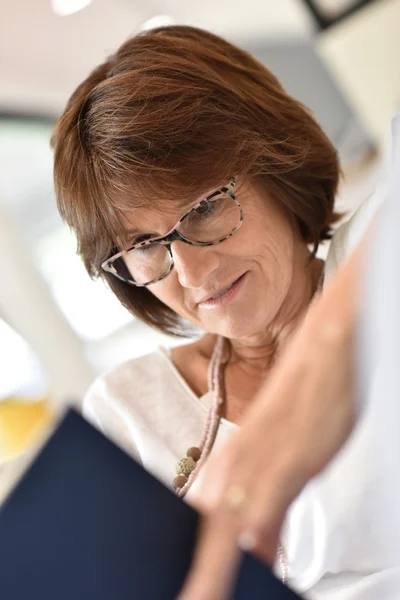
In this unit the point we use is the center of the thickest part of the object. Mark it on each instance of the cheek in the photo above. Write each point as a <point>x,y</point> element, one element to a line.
<point>166,289</point>
<point>170,293</point>
<point>269,240</point>
<point>277,252</point>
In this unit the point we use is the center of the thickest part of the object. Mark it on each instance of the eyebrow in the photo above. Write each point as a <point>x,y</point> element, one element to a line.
<point>136,236</point>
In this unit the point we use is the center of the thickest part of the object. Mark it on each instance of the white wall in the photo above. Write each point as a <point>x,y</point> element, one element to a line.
<point>363,54</point>
<point>26,303</point>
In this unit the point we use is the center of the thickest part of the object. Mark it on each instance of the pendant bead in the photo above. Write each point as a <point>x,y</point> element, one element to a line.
<point>185,466</point>
<point>179,481</point>
<point>194,453</point>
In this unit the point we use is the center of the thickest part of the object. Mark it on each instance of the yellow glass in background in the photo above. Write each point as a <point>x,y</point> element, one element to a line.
<point>26,410</point>
<point>23,423</point>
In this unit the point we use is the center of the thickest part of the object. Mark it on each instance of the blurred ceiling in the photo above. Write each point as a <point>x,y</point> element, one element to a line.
<point>43,56</point>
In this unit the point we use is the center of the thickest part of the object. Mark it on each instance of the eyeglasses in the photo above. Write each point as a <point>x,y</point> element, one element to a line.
<point>210,222</point>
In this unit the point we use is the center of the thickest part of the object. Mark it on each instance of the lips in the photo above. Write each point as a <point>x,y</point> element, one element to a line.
<point>220,292</point>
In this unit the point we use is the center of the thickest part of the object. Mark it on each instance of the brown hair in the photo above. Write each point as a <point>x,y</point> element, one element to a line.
<point>174,112</point>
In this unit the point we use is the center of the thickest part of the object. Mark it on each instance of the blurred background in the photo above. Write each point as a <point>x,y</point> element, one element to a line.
<point>340,57</point>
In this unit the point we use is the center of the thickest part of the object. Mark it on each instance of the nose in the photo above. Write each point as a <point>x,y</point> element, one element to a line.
<point>194,264</point>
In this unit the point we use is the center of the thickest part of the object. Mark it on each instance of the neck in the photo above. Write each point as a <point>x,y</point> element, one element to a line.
<point>256,354</point>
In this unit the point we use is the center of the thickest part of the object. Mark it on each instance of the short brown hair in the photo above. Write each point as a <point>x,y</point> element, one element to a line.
<point>174,112</point>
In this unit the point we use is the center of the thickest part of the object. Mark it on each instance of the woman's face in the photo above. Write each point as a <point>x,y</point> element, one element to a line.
<point>238,287</point>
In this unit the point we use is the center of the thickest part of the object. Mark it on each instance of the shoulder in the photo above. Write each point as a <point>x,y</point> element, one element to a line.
<point>349,234</point>
<point>117,399</point>
<point>147,408</point>
<point>129,380</point>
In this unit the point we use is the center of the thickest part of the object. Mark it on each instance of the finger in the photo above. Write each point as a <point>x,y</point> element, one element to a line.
<point>216,559</point>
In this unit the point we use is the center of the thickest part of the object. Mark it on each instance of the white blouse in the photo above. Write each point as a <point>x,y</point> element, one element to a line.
<point>342,534</point>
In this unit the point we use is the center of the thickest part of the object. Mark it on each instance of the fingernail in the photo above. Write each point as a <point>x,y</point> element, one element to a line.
<point>246,541</point>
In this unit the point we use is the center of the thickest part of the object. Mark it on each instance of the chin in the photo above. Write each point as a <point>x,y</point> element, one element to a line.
<point>243,325</point>
<point>247,315</point>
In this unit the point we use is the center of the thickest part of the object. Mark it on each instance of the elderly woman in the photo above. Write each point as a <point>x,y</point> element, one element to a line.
<point>200,191</point>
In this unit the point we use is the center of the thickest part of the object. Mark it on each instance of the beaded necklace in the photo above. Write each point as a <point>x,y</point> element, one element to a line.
<point>189,466</point>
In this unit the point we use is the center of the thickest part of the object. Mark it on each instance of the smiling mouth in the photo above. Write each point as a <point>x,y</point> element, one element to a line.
<point>223,295</point>
<point>223,291</point>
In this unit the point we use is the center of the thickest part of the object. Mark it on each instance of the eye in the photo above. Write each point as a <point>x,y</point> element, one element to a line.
<point>149,249</point>
<point>205,210</point>
<point>144,249</point>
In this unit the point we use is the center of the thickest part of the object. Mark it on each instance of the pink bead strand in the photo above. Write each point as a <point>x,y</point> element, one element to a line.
<point>207,447</point>
<point>210,424</point>
<point>283,563</point>
<point>209,434</point>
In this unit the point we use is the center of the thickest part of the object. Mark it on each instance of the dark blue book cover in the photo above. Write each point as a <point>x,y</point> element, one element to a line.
<point>87,522</point>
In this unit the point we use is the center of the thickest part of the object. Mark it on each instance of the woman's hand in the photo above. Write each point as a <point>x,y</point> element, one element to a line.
<point>293,429</point>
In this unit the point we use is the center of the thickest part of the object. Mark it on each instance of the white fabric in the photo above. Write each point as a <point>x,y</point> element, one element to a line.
<point>342,534</point>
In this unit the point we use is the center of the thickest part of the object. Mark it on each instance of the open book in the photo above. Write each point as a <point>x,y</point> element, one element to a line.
<point>86,522</point>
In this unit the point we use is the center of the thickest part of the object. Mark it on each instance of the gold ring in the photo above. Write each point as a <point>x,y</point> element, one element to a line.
<point>235,497</point>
